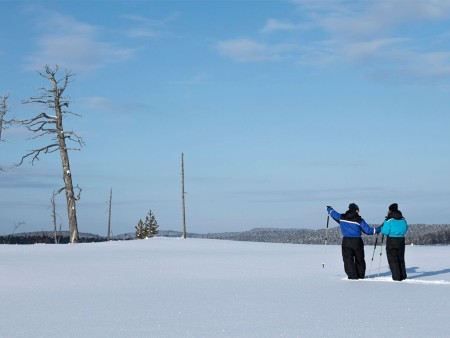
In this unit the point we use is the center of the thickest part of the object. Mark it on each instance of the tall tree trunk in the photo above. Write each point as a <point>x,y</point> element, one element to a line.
<point>67,174</point>
<point>70,195</point>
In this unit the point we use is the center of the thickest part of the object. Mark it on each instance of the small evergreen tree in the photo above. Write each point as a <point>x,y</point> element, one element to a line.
<point>140,230</point>
<point>151,225</point>
<point>148,228</point>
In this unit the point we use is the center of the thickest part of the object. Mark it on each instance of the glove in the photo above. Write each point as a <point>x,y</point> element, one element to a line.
<point>378,230</point>
<point>328,207</point>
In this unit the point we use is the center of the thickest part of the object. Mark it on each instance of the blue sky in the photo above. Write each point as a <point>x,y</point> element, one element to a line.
<point>280,108</point>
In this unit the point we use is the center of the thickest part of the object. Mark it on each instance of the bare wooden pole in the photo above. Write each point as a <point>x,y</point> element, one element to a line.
<point>108,237</point>
<point>182,195</point>
<point>54,216</point>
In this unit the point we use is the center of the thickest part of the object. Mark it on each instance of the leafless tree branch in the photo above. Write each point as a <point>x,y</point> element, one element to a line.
<point>72,136</point>
<point>34,154</point>
<point>60,190</point>
<point>77,198</point>
<point>3,110</point>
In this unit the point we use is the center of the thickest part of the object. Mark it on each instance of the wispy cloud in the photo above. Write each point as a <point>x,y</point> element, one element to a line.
<point>29,178</point>
<point>102,104</point>
<point>273,25</point>
<point>73,44</point>
<point>149,28</point>
<point>357,19</point>
<point>152,22</point>
<point>384,38</point>
<point>244,50</point>
<point>362,51</point>
<point>248,50</point>
<point>418,68</point>
<point>308,195</point>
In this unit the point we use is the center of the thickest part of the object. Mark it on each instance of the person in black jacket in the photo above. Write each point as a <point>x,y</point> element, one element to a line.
<point>352,225</point>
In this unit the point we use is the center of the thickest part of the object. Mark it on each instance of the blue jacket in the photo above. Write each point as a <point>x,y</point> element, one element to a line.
<point>394,225</point>
<point>352,227</point>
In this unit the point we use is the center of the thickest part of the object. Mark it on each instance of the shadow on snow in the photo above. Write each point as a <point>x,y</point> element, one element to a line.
<point>420,274</point>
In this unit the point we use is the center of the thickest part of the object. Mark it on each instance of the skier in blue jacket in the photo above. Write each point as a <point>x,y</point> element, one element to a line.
<point>395,228</point>
<point>352,225</point>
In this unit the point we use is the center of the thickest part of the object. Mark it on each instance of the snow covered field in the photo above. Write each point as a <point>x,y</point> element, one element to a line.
<point>165,287</point>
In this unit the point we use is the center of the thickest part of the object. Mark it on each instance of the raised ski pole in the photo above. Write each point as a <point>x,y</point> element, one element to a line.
<point>373,255</point>
<point>381,252</point>
<point>326,240</point>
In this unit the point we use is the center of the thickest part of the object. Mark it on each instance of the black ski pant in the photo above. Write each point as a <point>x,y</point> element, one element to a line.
<point>395,252</point>
<point>353,256</point>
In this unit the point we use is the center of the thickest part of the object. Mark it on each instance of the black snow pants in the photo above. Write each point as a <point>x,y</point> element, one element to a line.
<point>395,252</point>
<point>353,256</point>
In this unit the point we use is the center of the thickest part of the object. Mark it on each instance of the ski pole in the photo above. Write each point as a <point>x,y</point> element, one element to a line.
<point>373,254</point>
<point>326,240</point>
<point>381,252</point>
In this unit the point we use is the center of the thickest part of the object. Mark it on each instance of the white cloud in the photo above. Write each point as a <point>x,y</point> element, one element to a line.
<point>247,50</point>
<point>376,49</point>
<point>149,28</point>
<point>418,68</point>
<point>358,19</point>
<point>273,25</point>
<point>74,45</point>
<point>244,50</point>
<point>366,19</point>
<point>402,40</point>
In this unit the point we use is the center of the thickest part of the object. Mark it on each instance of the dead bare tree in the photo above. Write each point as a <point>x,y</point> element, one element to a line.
<point>52,200</point>
<point>3,110</point>
<point>43,124</point>
<point>108,236</point>
<point>16,226</point>
<point>182,196</point>
<point>54,214</point>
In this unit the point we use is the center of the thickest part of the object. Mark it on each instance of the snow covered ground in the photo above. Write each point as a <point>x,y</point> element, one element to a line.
<point>165,287</point>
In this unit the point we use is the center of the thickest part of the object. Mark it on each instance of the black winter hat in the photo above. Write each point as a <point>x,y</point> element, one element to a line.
<point>353,207</point>
<point>393,207</point>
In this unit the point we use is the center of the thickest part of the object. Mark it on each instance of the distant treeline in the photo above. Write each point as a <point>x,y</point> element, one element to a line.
<point>46,237</point>
<point>418,234</point>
